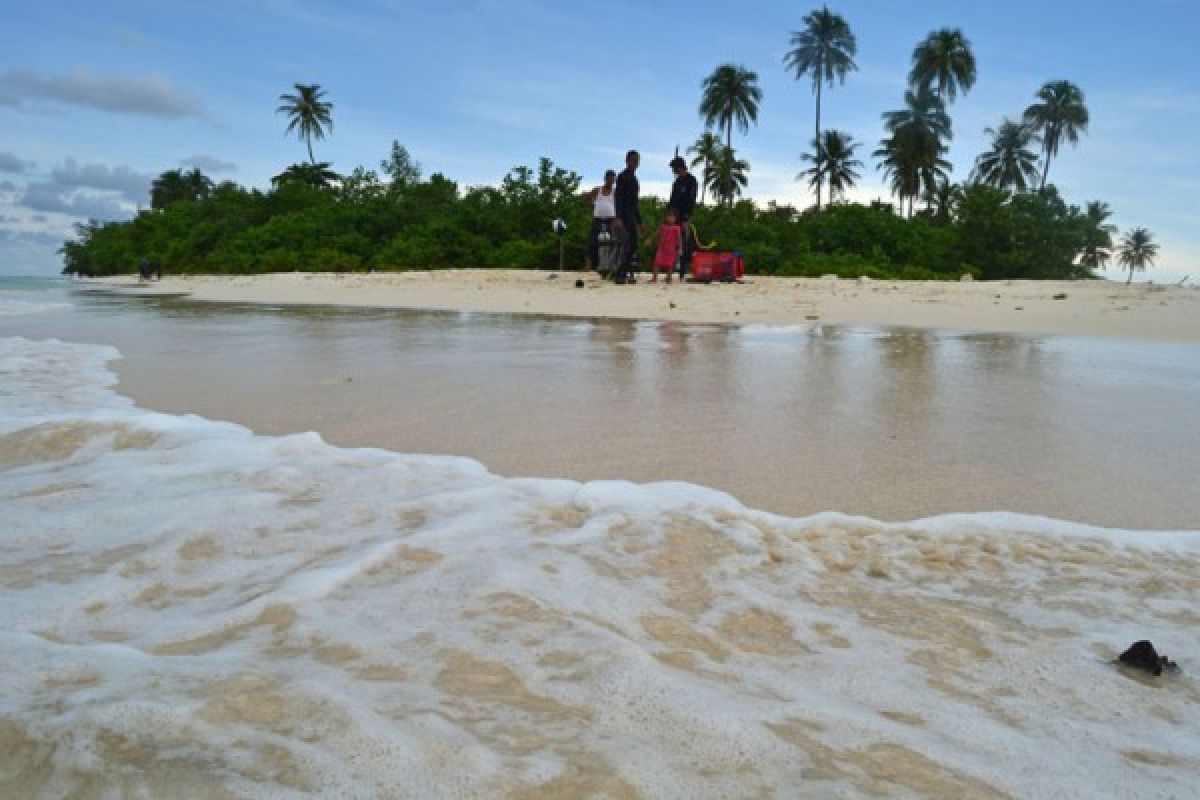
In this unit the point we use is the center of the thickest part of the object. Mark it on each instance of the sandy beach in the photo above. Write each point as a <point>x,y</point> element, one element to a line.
<point>1087,308</point>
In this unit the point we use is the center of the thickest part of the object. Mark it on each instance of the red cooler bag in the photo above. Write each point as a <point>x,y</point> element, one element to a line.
<point>709,266</point>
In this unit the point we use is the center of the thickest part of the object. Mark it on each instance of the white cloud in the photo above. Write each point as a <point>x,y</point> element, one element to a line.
<point>93,191</point>
<point>130,183</point>
<point>49,196</point>
<point>153,95</point>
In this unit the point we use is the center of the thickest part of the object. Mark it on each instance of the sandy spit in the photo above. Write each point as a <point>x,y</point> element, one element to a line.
<point>1088,308</point>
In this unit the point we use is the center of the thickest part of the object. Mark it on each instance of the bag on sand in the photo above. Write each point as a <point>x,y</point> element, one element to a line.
<point>709,266</point>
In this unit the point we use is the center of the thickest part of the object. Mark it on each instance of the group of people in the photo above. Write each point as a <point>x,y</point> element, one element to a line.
<point>617,223</point>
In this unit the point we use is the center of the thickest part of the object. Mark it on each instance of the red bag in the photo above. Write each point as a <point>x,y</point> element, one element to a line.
<point>709,266</point>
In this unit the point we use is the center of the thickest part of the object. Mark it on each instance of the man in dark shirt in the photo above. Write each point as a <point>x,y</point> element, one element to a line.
<point>629,218</point>
<point>683,200</point>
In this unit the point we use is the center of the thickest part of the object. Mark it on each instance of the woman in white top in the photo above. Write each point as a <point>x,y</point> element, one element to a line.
<point>604,209</point>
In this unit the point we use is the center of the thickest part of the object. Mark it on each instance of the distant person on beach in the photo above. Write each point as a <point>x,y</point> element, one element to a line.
<point>670,246</point>
<point>683,200</point>
<point>629,218</point>
<point>145,270</point>
<point>604,211</point>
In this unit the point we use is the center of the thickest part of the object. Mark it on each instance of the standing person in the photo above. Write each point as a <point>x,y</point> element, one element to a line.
<point>629,219</point>
<point>670,246</point>
<point>604,210</point>
<point>683,200</point>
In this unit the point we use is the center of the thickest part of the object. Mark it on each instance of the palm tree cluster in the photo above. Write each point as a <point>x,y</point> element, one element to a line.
<point>912,155</point>
<point>731,96</point>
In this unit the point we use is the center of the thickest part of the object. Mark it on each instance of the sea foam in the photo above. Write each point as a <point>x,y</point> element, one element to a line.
<point>189,609</point>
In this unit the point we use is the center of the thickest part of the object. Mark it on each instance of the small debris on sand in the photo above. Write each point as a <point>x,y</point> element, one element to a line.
<point>1142,655</point>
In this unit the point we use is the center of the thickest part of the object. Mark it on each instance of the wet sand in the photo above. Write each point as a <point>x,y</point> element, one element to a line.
<point>1090,308</point>
<point>892,424</point>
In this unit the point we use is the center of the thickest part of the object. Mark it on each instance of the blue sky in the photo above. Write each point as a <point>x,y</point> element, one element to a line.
<point>96,98</point>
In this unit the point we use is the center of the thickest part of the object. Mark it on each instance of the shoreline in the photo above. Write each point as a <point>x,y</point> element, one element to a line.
<point>1089,308</point>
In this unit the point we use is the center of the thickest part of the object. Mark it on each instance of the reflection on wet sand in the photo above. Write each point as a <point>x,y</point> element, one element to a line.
<point>891,424</point>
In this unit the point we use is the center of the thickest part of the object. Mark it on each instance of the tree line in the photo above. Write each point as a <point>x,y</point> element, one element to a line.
<point>397,218</point>
<point>994,225</point>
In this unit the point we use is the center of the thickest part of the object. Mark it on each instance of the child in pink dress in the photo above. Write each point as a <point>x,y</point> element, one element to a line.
<point>670,246</point>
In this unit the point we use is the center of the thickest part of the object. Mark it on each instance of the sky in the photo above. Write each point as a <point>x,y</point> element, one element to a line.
<point>98,98</point>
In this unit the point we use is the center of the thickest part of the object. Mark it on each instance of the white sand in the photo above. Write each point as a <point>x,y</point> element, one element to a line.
<point>1094,308</point>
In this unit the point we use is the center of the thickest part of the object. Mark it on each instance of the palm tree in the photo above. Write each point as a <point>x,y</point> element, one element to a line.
<point>175,185</point>
<point>912,163</point>
<point>727,175</point>
<point>924,114</point>
<point>1137,250</point>
<point>945,62</point>
<point>825,49</point>
<point>912,155</point>
<point>704,153</point>
<point>833,162</point>
<point>1060,112</point>
<point>1010,163</point>
<point>731,95</point>
<point>308,114</point>
<point>1098,231</point>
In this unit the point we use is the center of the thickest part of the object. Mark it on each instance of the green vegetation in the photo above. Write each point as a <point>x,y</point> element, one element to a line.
<point>404,221</point>
<point>996,225</point>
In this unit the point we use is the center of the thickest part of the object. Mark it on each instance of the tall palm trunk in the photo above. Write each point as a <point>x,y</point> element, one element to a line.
<point>1046,171</point>
<point>704,181</point>
<point>817,141</point>
<point>728,200</point>
<point>308,141</point>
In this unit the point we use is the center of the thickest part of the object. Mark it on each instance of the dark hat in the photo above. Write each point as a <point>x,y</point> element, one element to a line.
<point>677,162</point>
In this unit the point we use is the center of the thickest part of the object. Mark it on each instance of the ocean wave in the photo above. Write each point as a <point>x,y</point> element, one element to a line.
<point>188,608</point>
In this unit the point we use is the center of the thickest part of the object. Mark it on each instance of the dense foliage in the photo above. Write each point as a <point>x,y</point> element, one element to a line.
<point>361,222</point>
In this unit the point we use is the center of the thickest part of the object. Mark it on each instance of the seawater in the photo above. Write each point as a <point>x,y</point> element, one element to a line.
<point>24,296</point>
<point>189,609</point>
